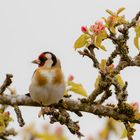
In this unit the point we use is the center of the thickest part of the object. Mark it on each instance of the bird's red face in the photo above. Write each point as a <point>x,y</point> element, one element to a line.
<point>46,58</point>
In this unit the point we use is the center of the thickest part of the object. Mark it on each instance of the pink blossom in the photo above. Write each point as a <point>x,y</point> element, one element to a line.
<point>46,127</point>
<point>71,77</point>
<point>84,29</point>
<point>59,131</point>
<point>98,26</point>
<point>90,137</point>
<point>135,106</point>
<point>94,28</point>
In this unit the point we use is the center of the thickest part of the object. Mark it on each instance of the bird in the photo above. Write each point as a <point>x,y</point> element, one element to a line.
<point>48,84</point>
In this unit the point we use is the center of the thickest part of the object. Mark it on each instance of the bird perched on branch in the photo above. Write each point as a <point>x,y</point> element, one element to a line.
<point>47,85</point>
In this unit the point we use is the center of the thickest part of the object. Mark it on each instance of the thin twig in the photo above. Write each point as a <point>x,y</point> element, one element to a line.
<point>7,133</point>
<point>130,130</point>
<point>133,22</point>
<point>19,116</point>
<point>105,96</point>
<point>88,53</point>
<point>6,83</point>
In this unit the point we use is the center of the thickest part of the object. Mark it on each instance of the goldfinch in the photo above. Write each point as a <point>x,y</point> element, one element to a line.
<point>47,84</point>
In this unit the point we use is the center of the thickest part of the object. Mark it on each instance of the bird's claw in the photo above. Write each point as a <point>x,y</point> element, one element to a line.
<point>43,111</point>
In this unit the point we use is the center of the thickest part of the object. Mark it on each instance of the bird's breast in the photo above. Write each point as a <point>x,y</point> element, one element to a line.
<point>46,77</point>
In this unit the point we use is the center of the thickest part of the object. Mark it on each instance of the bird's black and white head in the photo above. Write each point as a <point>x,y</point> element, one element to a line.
<point>46,59</point>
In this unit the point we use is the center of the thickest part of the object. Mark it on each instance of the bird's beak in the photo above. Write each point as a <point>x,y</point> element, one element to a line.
<point>36,61</point>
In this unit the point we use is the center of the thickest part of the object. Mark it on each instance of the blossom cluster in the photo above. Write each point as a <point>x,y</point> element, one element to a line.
<point>95,28</point>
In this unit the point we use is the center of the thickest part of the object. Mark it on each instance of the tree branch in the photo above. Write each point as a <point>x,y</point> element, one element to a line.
<point>71,105</point>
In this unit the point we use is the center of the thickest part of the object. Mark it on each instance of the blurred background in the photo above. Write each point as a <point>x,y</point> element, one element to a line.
<point>30,27</point>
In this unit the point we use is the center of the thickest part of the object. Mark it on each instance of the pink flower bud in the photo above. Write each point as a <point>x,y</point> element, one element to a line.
<point>110,17</point>
<point>84,29</point>
<point>94,28</point>
<point>70,78</point>
<point>59,131</point>
<point>100,25</point>
<point>90,137</point>
<point>46,127</point>
<point>135,106</point>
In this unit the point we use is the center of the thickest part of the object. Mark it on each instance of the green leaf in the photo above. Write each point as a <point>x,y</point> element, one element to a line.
<point>137,30</point>
<point>103,48</point>
<point>81,41</point>
<point>110,12</point>
<point>103,65</point>
<point>120,81</point>
<point>120,10</point>
<point>136,42</point>
<point>112,29</point>
<point>97,81</point>
<point>77,88</point>
<point>124,131</point>
<point>104,19</point>
<point>98,41</point>
<point>104,133</point>
<point>2,123</point>
<point>103,34</point>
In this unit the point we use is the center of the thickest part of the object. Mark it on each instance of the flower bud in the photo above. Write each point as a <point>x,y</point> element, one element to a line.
<point>135,106</point>
<point>70,78</point>
<point>84,29</point>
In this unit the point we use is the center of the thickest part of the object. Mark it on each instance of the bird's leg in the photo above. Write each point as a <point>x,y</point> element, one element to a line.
<point>43,111</point>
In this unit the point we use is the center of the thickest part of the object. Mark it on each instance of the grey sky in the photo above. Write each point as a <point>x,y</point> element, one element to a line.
<point>31,26</point>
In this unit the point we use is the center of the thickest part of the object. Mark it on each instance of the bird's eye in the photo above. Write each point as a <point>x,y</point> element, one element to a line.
<point>43,59</point>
